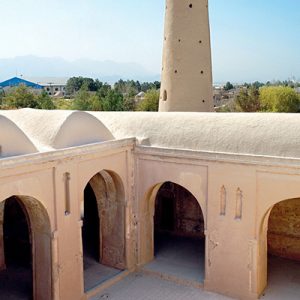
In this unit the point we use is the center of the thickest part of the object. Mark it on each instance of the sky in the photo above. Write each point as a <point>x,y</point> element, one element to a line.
<point>251,39</point>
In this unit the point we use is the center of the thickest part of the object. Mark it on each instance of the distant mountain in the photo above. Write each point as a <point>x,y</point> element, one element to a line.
<point>108,71</point>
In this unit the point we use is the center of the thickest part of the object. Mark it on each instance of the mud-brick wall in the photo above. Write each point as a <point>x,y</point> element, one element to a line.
<point>189,217</point>
<point>186,215</point>
<point>284,230</point>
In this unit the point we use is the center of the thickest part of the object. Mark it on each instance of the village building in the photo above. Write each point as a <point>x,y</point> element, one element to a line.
<point>16,81</point>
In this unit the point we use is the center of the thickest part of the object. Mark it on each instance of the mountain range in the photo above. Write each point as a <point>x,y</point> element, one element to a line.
<point>106,71</point>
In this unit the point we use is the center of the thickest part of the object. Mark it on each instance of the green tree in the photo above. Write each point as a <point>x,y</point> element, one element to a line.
<point>44,101</point>
<point>113,101</point>
<point>2,95</point>
<point>150,102</point>
<point>104,90</point>
<point>228,86</point>
<point>247,100</point>
<point>74,84</point>
<point>85,100</point>
<point>279,99</point>
<point>21,97</point>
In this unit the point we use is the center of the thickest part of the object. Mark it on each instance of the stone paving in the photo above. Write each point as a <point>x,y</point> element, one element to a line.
<point>179,257</point>
<point>283,283</point>
<point>95,273</point>
<point>140,286</point>
<point>283,280</point>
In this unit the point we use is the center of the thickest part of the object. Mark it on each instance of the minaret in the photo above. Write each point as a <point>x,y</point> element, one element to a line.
<point>186,70</point>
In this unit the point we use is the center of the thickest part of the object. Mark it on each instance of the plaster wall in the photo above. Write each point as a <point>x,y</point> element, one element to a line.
<point>236,198</point>
<point>189,176</point>
<point>46,181</point>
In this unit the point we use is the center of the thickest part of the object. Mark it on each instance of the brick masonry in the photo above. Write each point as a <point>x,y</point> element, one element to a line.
<point>284,230</point>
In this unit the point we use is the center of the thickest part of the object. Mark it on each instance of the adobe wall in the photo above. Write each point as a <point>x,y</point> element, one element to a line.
<point>283,230</point>
<point>185,218</point>
<point>236,195</point>
<point>236,198</point>
<point>43,177</point>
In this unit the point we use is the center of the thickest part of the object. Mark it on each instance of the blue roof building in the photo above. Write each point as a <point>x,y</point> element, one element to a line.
<point>16,81</point>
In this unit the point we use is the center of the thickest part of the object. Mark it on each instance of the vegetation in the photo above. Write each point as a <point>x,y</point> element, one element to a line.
<point>248,100</point>
<point>150,102</point>
<point>22,96</point>
<point>85,94</point>
<point>259,97</point>
<point>228,86</point>
<point>279,99</point>
<point>94,95</point>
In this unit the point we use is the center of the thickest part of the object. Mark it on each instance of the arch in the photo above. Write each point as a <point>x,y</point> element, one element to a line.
<point>183,223</point>
<point>152,192</point>
<point>275,216</point>
<point>108,191</point>
<point>40,233</point>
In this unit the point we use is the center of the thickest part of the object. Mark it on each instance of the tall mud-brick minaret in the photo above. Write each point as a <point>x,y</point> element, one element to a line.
<point>186,69</point>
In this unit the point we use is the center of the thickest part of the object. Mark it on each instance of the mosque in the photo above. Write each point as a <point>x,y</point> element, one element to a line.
<point>210,200</point>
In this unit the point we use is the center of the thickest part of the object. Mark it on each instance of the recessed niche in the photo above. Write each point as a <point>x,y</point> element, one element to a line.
<point>165,95</point>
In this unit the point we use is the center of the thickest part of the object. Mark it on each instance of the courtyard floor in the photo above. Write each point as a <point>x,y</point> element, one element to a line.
<point>178,257</point>
<point>283,279</point>
<point>140,286</point>
<point>95,273</point>
<point>16,284</point>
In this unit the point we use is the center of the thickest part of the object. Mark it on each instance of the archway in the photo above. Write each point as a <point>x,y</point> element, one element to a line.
<point>179,240</point>
<point>103,230</point>
<point>283,251</point>
<point>25,249</point>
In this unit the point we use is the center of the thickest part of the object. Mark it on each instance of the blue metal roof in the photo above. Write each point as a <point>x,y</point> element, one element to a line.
<point>16,81</point>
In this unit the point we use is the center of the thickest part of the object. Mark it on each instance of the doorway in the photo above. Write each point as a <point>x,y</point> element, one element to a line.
<point>179,241</point>
<point>16,279</point>
<point>284,251</point>
<point>103,238</point>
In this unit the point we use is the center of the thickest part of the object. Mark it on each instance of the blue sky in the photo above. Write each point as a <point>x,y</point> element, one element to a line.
<point>251,39</point>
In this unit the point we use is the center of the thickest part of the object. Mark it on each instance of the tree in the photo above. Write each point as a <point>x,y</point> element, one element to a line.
<point>21,97</point>
<point>150,102</point>
<point>257,84</point>
<point>44,101</point>
<point>247,100</point>
<point>74,84</point>
<point>104,90</point>
<point>2,95</point>
<point>279,99</point>
<point>86,100</point>
<point>113,101</point>
<point>228,86</point>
